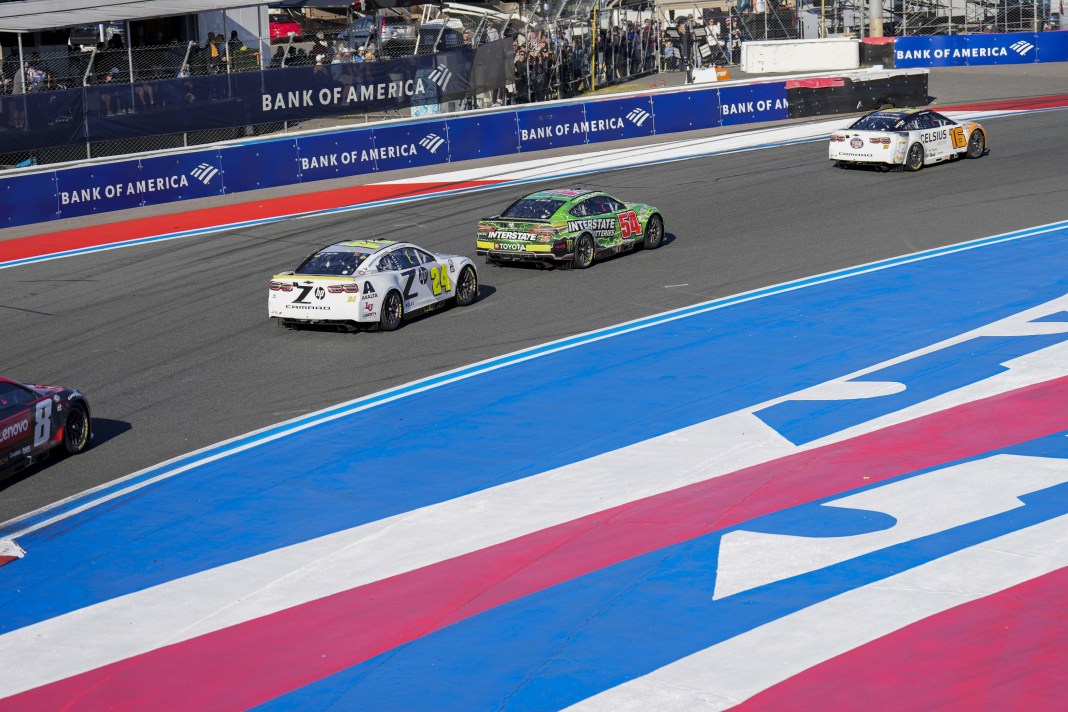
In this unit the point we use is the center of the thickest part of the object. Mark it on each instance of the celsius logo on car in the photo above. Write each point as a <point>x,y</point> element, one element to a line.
<point>320,293</point>
<point>638,116</point>
<point>204,172</point>
<point>432,142</point>
<point>15,430</point>
<point>856,143</point>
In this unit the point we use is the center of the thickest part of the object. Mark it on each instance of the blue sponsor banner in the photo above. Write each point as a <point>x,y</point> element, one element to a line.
<point>972,50</point>
<point>98,189</point>
<point>28,199</point>
<point>410,145</point>
<point>686,111</point>
<point>753,103</point>
<point>333,155</point>
<point>260,165</point>
<point>551,127</point>
<point>1052,46</point>
<point>619,118</point>
<point>482,136</point>
<point>179,177</point>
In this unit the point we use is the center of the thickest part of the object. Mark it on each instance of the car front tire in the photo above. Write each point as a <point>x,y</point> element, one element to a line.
<point>76,429</point>
<point>654,233</point>
<point>466,286</point>
<point>976,144</point>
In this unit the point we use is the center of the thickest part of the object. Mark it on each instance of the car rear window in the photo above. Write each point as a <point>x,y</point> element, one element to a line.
<point>533,208</point>
<point>880,122</point>
<point>333,263</point>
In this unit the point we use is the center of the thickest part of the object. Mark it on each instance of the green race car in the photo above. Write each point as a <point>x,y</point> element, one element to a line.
<point>568,226</point>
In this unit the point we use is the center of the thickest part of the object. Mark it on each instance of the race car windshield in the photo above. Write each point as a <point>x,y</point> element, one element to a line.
<point>332,263</point>
<point>533,208</point>
<point>879,122</point>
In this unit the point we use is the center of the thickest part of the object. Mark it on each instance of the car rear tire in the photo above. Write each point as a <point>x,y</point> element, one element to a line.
<point>466,286</point>
<point>976,144</point>
<point>392,312</point>
<point>76,429</point>
<point>914,158</point>
<point>584,251</point>
<point>654,233</point>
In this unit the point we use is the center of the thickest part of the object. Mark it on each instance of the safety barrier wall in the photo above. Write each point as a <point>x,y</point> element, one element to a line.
<point>966,50</point>
<point>801,55</point>
<point>225,169</point>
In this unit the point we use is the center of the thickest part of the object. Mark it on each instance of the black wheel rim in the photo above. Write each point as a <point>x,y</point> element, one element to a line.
<point>977,143</point>
<point>584,251</point>
<point>655,231</point>
<point>393,310</point>
<point>466,290</point>
<point>77,432</point>
<point>915,157</point>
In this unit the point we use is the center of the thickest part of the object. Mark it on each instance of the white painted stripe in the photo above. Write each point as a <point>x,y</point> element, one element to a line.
<point>512,174</point>
<point>927,504</point>
<point>727,674</point>
<point>254,587</point>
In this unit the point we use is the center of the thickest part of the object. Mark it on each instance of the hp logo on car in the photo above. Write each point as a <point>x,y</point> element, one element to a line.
<point>320,293</point>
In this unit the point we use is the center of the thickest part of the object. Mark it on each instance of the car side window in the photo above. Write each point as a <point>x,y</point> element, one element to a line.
<point>583,209</point>
<point>614,206</point>
<point>423,256</point>
<point>388,263</point>
<point>12,398</point>
<point>600,205</point>
<point>407,258</point>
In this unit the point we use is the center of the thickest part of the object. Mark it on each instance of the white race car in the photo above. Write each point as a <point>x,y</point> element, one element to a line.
<point>369,282</point>
<point>906,138</point>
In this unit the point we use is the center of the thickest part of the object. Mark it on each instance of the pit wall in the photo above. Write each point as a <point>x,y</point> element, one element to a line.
<point>42,195</point>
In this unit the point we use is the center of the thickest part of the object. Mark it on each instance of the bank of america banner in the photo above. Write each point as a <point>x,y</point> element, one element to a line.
<point>173,106</point>
<point>980,49</point>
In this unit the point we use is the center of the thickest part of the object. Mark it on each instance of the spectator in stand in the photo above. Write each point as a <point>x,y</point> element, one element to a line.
<point>649,45</point>
<point>234,44</point>
<point>320,45</point>
<point>566,68</point>
<point>671,57</point>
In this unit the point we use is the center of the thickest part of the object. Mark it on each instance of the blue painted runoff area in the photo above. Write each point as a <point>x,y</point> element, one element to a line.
<point>472,430</point>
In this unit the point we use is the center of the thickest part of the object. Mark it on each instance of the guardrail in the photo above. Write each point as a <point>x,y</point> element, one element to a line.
<point>87,189</point>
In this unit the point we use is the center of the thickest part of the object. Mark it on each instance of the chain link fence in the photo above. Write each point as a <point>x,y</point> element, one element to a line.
<point>553,58</point>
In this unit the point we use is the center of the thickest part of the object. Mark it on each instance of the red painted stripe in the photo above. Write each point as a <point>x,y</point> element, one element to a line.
<point>878,40</point>
<point>247,664</point>
<point>1028,103</point>
<point>7,559</point>
<point>108,234</point>
<point>820,83</point>
<point>1008,651</point>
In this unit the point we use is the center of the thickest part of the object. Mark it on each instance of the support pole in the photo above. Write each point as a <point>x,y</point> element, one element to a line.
<point>875,18</point>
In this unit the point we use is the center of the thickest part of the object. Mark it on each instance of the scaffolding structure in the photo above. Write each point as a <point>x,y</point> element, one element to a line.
<point>904,18</point>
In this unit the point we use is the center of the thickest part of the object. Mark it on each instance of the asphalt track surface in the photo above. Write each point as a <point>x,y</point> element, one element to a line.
<point>172,344</point>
